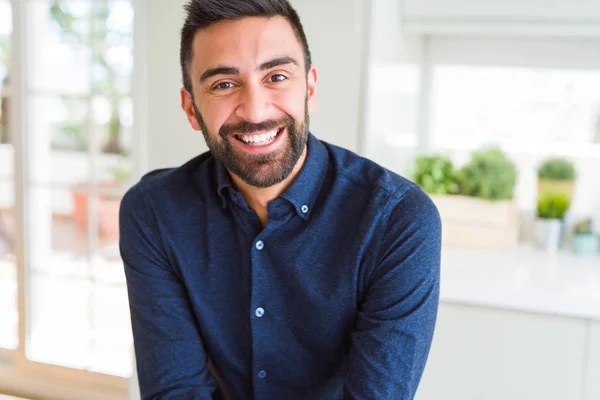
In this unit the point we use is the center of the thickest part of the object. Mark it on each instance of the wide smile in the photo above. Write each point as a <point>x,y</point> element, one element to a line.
<point>259,140</point>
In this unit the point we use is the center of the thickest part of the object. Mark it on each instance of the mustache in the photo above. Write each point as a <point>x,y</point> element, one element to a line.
<point>250,127</point>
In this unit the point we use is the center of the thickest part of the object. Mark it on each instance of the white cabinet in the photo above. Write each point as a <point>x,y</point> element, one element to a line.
<point>491,354</point>
<point>592,381</point>
<point>560,17</point>
<point>531,10</point>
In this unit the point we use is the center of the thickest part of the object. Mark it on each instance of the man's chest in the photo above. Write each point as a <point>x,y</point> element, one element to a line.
<point>304,275</point>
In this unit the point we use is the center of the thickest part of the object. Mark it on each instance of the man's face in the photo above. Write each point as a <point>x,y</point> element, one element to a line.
<point>251,97</point>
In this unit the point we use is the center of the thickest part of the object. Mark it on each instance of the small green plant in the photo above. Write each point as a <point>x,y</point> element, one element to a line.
<point>435,174</point>
<point>70,136</point>
<point>120,174</point>
<point>553,205</point>
<point>488,175</point>
<point>583,227</point>
<point>557,169</point>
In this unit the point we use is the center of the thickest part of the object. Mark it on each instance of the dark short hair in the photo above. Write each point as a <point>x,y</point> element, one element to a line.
<point>204,13</point>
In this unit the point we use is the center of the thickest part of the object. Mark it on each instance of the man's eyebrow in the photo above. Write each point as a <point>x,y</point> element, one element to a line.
<point>225,70</point>
<point>222,70</point>
<point>276,62</point>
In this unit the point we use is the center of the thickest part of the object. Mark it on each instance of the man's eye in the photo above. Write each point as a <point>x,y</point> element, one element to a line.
<point>277,78</point>
<point>223,86</point>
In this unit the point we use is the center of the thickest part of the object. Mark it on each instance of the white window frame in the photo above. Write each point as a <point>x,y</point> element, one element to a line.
<point>23,377</point>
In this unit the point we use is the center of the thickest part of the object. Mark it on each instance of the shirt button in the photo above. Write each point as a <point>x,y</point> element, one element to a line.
<point>304,209</point>
<point>259,312</point>
<point>260,245</point>
<point>262,374</point>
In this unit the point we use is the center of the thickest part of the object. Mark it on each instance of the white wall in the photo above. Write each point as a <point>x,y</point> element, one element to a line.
<point>336,33</point>
<point>171,141</point>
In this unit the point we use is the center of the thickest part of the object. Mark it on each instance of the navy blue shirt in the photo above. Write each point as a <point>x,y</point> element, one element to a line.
<point>336,298</point>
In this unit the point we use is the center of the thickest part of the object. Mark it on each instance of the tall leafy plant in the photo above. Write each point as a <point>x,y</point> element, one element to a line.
<point>553,205</point>
<point>488,175</point>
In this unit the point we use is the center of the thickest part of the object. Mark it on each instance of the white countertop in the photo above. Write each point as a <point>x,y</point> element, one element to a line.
<point>525,279</point>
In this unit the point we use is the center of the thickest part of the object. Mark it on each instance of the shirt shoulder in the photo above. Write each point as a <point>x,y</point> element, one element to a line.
<point>362,175</point>
<point>177,183</point>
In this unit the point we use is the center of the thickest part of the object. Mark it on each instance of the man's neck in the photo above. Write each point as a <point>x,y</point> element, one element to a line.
<point>259,198</point>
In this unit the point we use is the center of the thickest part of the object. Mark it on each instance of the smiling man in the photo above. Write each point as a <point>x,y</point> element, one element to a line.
<point>275,265</point>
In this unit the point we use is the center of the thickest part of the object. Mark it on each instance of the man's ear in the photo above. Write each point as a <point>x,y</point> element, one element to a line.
<point>187,104</point>
<point>311,82</point>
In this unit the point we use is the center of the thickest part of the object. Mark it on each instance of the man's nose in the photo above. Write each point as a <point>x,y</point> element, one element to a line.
<point>254,105</point>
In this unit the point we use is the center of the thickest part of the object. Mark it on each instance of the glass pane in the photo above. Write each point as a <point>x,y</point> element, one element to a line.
<point>60,54</point>
<point>120,19</point>
<point>61,235</point>
<point>524,107</point>
<point>57,230</point>
<point>78,324</point>
<point>60,320</point>
<point>5,33</point>
<point>107,265</point>
<point>58,139</point>
<point>8,269</point>
<point>112,340</point>
<point>393,102</point>
<point>4,134</point>
<point>392,110</point>
<point>7,151</point>
<point>113,117</point>
<point>112,47</point>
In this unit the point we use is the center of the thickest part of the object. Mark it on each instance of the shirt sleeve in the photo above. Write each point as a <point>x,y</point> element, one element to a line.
<point>170,357</point>
<point>396,319</point>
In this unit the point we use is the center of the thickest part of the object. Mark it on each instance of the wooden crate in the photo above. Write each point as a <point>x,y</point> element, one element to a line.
<point>475,223</point>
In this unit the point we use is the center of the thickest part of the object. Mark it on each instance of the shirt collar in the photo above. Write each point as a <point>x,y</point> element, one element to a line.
<point>304,189</point>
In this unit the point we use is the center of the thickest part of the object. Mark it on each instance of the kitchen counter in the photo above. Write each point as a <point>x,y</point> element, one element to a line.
<point>525,279</point>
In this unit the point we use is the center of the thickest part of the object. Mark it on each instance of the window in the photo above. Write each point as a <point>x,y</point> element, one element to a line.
<point>393,101</point>
<point>76,145</point>
<point>520,108</point>
<point>79,83</point>
<point>534,97</point>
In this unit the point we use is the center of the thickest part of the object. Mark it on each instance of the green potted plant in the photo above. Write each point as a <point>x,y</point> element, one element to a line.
<point>551,209</point>
<point>556,174</point>
<point>476,201</point>
<point>435,174</point>
<point>584,241</point>
<point>489,175</point>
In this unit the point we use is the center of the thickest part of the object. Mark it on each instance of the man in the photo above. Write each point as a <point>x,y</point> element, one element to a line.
<point>276,265</point>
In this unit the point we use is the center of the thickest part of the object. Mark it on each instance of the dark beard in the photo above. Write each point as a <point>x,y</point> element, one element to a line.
<point>259,170</point>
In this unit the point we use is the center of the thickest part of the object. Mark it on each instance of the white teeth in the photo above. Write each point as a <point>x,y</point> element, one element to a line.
<point>263,138</point>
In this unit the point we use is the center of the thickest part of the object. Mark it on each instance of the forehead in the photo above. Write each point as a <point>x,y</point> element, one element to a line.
<point>244,43</point>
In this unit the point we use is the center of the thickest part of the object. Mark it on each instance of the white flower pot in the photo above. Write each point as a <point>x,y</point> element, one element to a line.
<point>549,234</point>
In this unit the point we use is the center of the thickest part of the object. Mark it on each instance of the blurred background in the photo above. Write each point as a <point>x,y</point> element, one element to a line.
<point>493,107</point>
